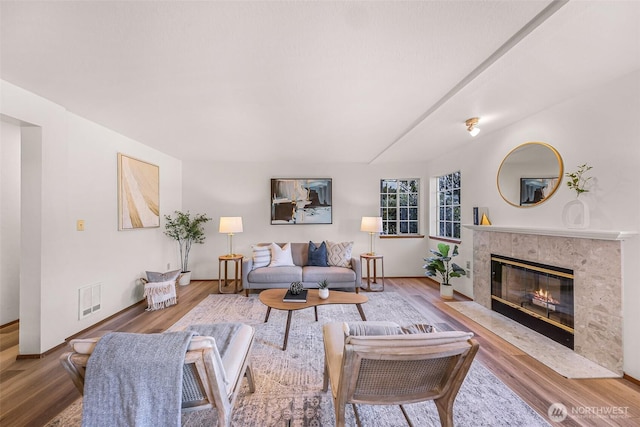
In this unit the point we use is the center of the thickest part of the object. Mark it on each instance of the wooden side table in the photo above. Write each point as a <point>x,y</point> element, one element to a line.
<point>372,258</point>
<point>224,281</point>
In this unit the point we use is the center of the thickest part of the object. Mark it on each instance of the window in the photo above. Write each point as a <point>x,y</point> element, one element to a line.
<point>448,206</point>
<point>399,206</point>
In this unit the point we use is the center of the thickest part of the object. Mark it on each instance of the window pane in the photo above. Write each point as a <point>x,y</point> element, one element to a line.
<point>413,227</point>
<point>456,229</point>
<point>413,186</point>
<point>456,213</point>
<point>391,201</point>
<point>413,200</point>
<point>456,180</point>
<point>413,214</point>
<point>442,229</point>
<point>392,214</point>
<point>383,201</point>
<point>404,228</point>
<point>403,200</point>
<point>448,214</point>
<point>404,214</point>
<point>392,228</point>
<point>456,197</point>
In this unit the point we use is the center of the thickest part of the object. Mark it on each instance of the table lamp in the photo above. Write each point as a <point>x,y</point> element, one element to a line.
<point>372,225</point>
<point>230,225</point>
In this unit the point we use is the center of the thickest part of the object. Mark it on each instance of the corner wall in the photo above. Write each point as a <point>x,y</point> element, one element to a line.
<point>78,180</point>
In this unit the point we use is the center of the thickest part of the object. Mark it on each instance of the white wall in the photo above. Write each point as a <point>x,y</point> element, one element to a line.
<point>243,189</point>
<point>9,221</point>
<point>78,180</point>
<point>600,128</point>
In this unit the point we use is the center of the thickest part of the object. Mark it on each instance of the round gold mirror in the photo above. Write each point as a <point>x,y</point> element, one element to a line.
<point>530,174</point>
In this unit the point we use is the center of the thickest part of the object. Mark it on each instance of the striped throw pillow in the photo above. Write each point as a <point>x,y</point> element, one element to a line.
<point>261,256</point>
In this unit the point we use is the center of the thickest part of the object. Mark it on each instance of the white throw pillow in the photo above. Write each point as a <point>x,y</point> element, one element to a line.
<point>261,256</point>
<point>281,257</point>
<point>339,254</point>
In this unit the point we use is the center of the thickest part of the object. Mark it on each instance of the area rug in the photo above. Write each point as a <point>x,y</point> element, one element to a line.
<point>289,383</point>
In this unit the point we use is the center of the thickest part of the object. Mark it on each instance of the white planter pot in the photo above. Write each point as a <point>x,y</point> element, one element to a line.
<point>185,278</point>
<point>323,293</point>
<point>446,291</point>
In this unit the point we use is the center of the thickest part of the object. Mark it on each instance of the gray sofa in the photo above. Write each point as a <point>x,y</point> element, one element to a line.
<point>282,277</point>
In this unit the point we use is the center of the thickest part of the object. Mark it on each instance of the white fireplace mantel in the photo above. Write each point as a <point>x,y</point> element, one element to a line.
<point>559,232</point>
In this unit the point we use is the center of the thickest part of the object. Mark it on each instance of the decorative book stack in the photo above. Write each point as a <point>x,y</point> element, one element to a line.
<point>301,297</point>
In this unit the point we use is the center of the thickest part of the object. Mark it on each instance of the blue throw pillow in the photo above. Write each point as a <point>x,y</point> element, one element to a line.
<point>318,255</point>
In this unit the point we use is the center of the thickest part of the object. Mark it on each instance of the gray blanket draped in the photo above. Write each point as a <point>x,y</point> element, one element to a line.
<point>223,333</point>
<point>135,380</point>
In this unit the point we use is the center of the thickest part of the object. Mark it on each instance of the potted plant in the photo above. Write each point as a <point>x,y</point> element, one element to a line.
<point>186,231</point>
<point>577,181</point>
<point>323,289</point>
<point>441,264</point>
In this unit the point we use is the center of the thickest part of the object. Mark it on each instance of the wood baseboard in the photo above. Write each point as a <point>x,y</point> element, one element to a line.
<point>51,350</point>
<point>631,379</point>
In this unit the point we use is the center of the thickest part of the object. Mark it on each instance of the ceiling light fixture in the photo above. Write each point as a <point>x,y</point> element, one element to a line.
<point>471,126</point>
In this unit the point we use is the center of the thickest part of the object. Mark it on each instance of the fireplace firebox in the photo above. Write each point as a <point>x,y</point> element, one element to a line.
<point>536,295</point>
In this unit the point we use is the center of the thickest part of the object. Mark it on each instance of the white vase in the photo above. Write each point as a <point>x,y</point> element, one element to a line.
<point>185,278</point>
<point>323,293</point>
<point>446,291</point>
<point>576,214</point>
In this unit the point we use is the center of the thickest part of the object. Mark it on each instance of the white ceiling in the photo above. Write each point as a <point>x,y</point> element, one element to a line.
<point>371,82</point>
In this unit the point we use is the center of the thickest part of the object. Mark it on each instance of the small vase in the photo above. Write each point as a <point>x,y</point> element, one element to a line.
<point>576,214</point>
<point>323,293</point>
<point>446,291</point>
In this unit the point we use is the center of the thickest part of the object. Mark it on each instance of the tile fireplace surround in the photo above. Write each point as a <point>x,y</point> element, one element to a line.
<point>596,259</point>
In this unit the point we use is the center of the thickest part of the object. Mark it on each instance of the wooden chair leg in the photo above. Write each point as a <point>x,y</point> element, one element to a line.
<point>340,413</point>
<point>445,411</point>
<point>325,378</point>
<point>249,374</point>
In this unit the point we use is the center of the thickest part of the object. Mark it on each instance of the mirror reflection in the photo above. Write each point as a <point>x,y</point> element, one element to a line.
<point>530,174</point>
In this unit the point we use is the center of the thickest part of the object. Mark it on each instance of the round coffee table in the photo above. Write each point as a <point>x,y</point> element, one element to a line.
<point>272,298</point>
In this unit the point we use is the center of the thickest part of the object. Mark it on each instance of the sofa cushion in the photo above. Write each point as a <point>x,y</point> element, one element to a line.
<point>276,275</point>
<point>261,256</point>
<point>317,255</point>
<point>339,254</point>
<point>332,274</point>
<point>281,256</point>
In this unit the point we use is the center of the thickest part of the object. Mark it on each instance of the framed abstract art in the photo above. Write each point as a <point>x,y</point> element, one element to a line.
<point>138,194</point>
<point>301,201</point>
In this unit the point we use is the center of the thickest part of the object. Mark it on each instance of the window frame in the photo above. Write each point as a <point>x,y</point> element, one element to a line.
<point>408,200</point>
<point>445,228</point>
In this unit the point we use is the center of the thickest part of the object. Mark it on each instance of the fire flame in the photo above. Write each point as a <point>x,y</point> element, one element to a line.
<point>545,296</point>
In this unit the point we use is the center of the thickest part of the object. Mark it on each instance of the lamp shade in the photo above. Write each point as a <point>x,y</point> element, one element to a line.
<point>371,224</point>
<point>230,224</point>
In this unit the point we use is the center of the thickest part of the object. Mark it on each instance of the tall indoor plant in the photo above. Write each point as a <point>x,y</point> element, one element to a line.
<point>440,264</point>
<point>186,231</point>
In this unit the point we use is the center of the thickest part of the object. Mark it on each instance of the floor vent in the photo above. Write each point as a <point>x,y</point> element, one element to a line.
<point>89,298</point>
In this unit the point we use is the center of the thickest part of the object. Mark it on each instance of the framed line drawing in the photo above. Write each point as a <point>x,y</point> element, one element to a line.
<point>138,194</point>
<point>301,201</point>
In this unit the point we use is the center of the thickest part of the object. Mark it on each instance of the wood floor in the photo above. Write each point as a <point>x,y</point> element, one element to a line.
<point>34,391</point>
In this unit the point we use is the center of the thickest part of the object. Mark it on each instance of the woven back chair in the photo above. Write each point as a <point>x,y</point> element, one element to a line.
<point>396,369</point>
<point>208,380</point>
